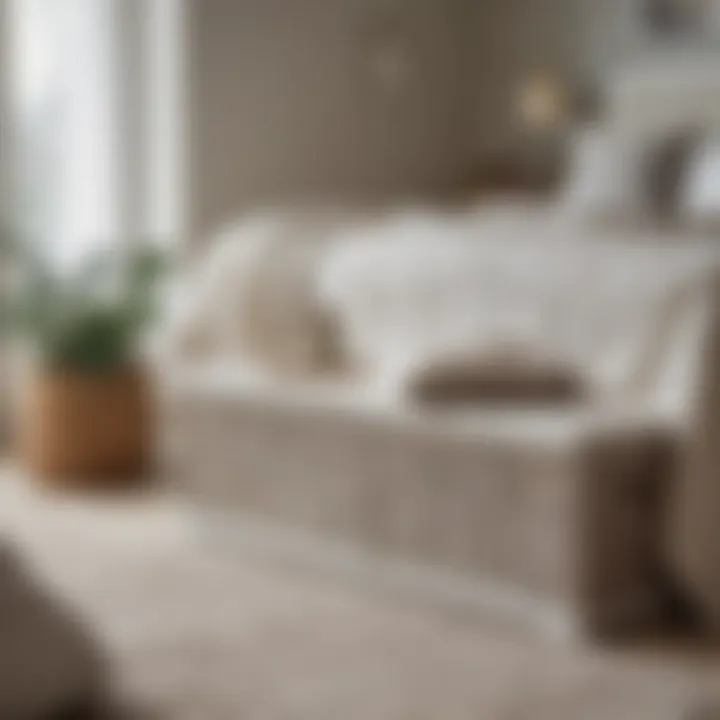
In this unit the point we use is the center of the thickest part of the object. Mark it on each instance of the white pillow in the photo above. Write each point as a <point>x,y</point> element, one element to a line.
<point>607,178</point>
<point>701,192</point>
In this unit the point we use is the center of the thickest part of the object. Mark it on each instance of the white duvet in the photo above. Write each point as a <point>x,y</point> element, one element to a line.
<point>613,307</point>
<point>401,288</point>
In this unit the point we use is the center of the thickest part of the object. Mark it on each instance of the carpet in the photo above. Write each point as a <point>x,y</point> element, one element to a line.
<point>196,634</point>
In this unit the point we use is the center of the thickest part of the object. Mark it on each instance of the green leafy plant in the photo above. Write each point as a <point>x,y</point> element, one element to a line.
<point>89,319</point>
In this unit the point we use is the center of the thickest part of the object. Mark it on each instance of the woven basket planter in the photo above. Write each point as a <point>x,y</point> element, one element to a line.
<point>81,428</point>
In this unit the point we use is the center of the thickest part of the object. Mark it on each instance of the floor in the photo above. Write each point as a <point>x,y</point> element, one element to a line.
<point>201,635</point>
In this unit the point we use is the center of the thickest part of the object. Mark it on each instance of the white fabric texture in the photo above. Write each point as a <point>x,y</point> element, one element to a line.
<point>609,308</point>
<point>252,297</point>
<point>701,193</point>
<point>607,179</point>
<point>295,294</point>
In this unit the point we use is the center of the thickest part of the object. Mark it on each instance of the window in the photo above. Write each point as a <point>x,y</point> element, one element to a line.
<point>63,102</point>
<point>95,109</point>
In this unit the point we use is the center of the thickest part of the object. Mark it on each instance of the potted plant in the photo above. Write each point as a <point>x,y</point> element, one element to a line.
<point>83,404</point>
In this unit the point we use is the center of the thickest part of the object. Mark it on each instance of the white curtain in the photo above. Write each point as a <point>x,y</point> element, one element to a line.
<point>67,142</point>
<point>98,104</point>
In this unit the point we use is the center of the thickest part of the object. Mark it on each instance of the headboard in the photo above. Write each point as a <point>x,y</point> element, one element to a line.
<point>671,91</point>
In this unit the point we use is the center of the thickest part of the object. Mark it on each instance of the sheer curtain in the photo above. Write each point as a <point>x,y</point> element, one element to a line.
<point>90,119</point>
<point>71,150</point>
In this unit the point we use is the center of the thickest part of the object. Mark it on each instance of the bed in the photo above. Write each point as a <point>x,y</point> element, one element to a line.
<point>585,515</point>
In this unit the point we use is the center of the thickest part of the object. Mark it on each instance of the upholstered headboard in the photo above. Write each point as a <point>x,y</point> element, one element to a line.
<point>677,90</point>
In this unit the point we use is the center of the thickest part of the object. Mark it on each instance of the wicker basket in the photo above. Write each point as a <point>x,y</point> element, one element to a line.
<point>86,428</point>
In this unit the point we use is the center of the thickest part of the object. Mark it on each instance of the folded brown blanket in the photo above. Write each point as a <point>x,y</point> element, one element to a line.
<point>498,379</point>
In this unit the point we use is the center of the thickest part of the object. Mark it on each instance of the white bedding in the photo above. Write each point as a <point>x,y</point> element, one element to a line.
<point>400,288</point>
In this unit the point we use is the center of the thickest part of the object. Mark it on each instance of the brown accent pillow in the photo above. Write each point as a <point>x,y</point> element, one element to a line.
<point>468,380</point>
<point>667,165</point>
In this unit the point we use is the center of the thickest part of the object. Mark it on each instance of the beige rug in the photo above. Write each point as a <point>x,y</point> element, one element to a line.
<point>199,635</point>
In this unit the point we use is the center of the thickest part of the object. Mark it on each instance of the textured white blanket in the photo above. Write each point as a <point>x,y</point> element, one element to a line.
<point>303,293</point>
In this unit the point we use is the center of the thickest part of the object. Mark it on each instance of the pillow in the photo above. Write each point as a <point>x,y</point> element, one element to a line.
<point>253,298</point>
<point>667,166</point>
<point>606,178</point>
<point>619,175</point>
<point>701,192</point>
<point>504,378</point>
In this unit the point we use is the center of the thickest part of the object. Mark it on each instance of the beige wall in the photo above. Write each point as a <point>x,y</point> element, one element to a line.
<point>514,38</point>
<point>285,104</point>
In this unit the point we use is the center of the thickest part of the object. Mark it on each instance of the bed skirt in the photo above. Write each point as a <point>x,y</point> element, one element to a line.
<point>572,519</point>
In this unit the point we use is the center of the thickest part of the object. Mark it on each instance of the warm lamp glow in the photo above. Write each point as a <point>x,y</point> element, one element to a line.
<point>543,101</point>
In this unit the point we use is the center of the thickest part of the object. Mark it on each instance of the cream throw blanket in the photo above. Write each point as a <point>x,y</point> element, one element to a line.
<point>253,299</point>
